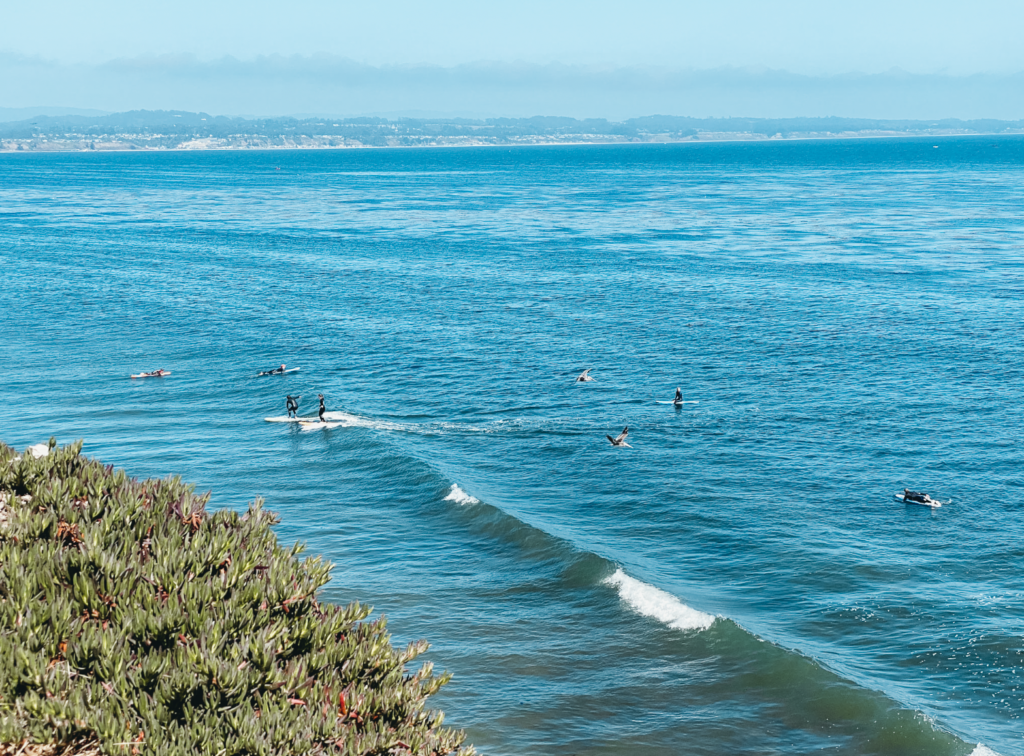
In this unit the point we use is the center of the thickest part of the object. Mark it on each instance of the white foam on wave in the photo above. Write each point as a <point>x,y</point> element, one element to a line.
<point>653,602</point>
<point>517,425</point>
<point>350,420</point>
<point>459,496</point>
<point>983,751</point>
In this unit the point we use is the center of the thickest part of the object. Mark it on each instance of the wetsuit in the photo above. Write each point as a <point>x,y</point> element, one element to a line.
<point>322,409</point>
<point>293,406</point>
<point>679,396</point>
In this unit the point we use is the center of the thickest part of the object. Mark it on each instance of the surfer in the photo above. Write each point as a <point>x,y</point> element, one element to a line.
<point>292,403</point>
<point>920,498</point>
<point>275,371</point>
<point>585,376</point>
<point>679,396</point>
<point>152,374</point>
<point>323,409</point>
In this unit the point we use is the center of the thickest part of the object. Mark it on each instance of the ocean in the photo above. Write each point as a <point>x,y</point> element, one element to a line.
<point>844,316</point>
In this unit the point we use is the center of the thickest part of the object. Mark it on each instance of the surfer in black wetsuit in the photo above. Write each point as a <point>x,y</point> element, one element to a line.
<point>921,498</point>
<point>679,396</point>
<point>292,403</point>
<point>322,408</point>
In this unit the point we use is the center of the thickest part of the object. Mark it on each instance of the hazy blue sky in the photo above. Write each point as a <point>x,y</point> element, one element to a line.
<point>95,43</point>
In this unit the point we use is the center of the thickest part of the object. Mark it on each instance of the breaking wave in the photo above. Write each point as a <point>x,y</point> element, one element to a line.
<point>459,496</point>
<point>653,602</point>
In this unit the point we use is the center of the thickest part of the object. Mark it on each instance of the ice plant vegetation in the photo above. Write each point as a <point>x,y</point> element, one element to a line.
<point>134,621</point>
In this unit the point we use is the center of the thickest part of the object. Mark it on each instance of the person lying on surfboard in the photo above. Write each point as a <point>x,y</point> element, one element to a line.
<point>275,371</point>
<point>921,498</point>
<point>292,403</point>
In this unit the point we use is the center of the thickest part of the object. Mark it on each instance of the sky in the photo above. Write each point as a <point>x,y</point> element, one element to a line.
<point>891,59</point>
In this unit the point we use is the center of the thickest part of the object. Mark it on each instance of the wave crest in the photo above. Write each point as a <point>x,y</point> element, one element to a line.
<point>653,602</point>
<point>459,496</point>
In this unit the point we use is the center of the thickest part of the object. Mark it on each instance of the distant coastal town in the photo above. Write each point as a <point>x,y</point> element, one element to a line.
<point>179,130</point>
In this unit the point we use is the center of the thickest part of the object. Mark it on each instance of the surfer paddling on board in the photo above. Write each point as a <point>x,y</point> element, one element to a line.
<point>323,409</point>
<point>275,371</point>
<point>292,403</point>
<point>920,498</point>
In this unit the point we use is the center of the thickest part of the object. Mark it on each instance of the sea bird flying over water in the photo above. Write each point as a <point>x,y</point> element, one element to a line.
<point>620,440</point>
<point>584,377</point>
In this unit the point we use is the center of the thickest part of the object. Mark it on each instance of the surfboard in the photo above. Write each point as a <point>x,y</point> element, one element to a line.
<point>286,419</point>
<point>152,375</point>
<point>929,504</point>
<point>317,425</point>
<point>274,372</point>
<point>688,401</point>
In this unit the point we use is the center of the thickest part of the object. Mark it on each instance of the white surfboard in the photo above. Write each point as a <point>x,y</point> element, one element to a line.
<point>286,419</point>
<point>688,401</point>
<point>317,425</point>
<point>152,375</point>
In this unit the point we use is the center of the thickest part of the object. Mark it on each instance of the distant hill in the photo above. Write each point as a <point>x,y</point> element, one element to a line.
<point>23,114</point>
<point>145,129</point>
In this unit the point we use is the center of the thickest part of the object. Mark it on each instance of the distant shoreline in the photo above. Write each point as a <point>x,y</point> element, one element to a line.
<point>159,130</point>
<point>244,144</point>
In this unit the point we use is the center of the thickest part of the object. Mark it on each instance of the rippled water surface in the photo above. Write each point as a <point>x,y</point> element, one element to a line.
<point>845,316</point>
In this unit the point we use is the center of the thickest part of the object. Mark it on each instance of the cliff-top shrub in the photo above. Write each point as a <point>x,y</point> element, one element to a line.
<point>134,621</point>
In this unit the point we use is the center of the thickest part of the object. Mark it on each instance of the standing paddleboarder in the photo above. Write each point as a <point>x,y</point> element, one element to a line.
<point>322,408</point>
<point>292,403</point>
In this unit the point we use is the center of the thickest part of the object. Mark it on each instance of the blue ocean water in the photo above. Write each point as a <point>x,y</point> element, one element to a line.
<point>847,316</point>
